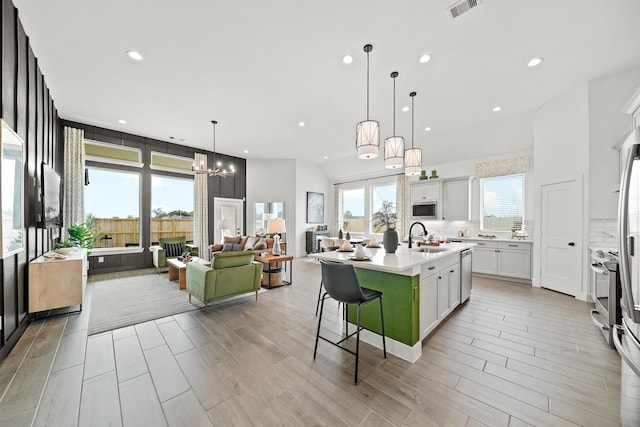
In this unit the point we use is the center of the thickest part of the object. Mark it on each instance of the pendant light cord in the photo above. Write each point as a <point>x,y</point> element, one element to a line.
<point>394,106</point>
<point>412,117</point>
<point>367,86</point>
<point>214,143</point>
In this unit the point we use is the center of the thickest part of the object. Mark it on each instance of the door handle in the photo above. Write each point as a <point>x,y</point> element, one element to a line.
<point>631,244</point>
<point>572,243</point>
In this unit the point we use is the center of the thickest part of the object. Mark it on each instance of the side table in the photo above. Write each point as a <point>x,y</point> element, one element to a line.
<point>271,262</point>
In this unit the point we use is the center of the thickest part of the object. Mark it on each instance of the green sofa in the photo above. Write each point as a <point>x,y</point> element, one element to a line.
<point>160,254</point>
<point>231,273</point>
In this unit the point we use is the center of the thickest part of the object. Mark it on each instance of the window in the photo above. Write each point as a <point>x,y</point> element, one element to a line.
<point>502,202</point>
<point>352,213</point>
<point>113,200</point>
<point>171,207</point>
<point>383,207</point>
<point>360,206</point>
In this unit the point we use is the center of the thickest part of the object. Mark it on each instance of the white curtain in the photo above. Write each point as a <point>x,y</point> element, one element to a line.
<point>73,192</point>
<point>201,209</point>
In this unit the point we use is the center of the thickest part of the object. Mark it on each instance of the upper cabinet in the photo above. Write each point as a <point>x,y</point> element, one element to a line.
<point>455,199</point>
<point>425,191</point>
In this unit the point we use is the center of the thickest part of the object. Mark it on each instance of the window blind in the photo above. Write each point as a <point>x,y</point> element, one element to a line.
<point>503,202</point>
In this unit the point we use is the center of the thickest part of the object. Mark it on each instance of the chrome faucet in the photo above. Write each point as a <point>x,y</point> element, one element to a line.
<point>411,228</point>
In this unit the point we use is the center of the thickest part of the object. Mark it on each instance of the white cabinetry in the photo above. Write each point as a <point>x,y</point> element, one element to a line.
<point>507,259</point>
<point>439,292</point>
<point>455,199</point>
<point>425,191</point>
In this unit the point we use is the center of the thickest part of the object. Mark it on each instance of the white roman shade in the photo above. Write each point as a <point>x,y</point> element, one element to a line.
<point>502,167</point>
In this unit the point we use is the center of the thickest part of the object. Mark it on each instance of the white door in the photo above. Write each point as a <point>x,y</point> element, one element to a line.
<point>227,218</point>
<point>561,240</point>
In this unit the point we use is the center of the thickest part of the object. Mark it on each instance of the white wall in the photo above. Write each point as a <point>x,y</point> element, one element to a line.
<point>309,177</point>
<point>272,181</point>
<point>561,152</point>
<point>607,126</point>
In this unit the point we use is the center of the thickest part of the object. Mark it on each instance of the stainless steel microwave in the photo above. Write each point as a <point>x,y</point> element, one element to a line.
<point>424,210</point>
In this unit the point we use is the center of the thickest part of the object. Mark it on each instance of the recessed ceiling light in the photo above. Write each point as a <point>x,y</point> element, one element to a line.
<point>326,157</point>
<point>245,151</point>
<point>535,62</point>
<point>134,54</point>
<point>301,124</point>
<point>425,58</point>
<point>405,108</point>
<point>496,108</point>
<point>122,122</point>
<point>427,129</point>
<point>347,59</point>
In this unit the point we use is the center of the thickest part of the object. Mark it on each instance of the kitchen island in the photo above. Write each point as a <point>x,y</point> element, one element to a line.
<point>420,287</point>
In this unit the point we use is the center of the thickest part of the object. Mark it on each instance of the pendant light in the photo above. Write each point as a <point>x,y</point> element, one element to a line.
<point>368,131</point>
<point>394,145</point>
<point>215,171</point>
<point>412,156</point>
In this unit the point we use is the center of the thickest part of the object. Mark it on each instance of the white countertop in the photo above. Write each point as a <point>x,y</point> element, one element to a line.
<point>497,239</point>
<point>404,261</point>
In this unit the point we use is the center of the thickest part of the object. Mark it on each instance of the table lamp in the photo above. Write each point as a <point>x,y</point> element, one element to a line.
<point>275,226</point>
<point>223,225</point>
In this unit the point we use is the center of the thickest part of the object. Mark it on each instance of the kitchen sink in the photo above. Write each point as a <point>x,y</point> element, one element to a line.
<point>430,249</point>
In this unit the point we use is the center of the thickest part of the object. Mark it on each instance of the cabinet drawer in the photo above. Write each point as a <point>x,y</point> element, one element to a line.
<point>514,245</point>
<point>484,244</point>
<point>438,264</point>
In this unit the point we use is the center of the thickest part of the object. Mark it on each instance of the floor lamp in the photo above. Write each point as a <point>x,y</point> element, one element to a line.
<point>276,226</point>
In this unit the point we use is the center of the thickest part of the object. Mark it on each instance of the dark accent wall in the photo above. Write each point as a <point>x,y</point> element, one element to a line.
<point>230,187</point>
<point>26,107</point>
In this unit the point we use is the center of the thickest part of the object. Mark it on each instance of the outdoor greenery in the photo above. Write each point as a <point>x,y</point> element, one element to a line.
<point>177,214</point>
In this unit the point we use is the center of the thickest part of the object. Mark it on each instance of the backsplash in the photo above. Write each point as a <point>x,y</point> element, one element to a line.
<point>603,231</point>
<point>451,228</point>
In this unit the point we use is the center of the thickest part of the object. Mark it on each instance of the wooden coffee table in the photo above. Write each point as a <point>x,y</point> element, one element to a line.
<point>178,271</point>
<point>270,260</point>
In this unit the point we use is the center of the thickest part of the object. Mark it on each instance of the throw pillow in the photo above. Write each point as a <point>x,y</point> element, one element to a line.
<point>237,247</point>
<point>250,243</point>
<point>260,245</point>
<point>173,249</point>
<point>232,239</point>
<point>227,247</point>
<point>215,248</point>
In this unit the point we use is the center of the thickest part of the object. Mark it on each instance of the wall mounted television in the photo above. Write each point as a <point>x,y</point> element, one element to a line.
<point>51,198</point>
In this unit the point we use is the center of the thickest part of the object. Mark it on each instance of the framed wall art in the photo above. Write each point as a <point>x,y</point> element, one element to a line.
<point>315,208</point>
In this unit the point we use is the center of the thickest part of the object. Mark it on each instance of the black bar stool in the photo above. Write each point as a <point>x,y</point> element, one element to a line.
<point>341,284</point>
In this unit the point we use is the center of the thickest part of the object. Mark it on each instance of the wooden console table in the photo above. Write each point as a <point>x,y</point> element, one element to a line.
<point>57,283</point>
<point>271,260</point>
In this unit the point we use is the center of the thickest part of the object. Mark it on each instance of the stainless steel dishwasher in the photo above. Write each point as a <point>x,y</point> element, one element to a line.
<point>466,257</point>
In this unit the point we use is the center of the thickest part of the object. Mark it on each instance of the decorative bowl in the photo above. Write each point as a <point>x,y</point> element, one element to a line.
<point>65,251</point>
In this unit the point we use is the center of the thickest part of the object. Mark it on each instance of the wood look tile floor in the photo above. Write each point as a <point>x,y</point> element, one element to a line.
<point>512,356</point>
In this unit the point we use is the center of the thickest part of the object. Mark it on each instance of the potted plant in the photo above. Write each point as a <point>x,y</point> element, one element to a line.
<point>81,235</point>
<point>385,220</point>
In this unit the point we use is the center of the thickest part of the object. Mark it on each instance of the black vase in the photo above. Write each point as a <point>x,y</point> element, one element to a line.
<point>340,234</point>
<point>390,240</point>
<point>348,236</point>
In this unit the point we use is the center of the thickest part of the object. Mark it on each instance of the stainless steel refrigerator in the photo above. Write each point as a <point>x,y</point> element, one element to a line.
<point>627,338</point>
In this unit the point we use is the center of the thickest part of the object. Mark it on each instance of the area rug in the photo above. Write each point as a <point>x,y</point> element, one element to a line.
<point>121,302</point>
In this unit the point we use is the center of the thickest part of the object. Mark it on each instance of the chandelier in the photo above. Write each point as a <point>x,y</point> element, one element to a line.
<point>412,156</point>
<point>217,169</point>
<point>394,145</point>
<point>367,131</point>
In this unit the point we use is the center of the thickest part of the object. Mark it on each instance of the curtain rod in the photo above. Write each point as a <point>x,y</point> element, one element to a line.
<point>368,179</point>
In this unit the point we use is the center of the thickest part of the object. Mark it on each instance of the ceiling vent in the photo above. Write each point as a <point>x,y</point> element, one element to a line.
<point>457,9</point>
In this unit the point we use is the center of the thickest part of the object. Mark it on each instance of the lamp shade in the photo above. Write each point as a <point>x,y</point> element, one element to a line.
<point>368,139</point>
<point>412,161</point>
<point>393,151</point>
<point>275,226</point>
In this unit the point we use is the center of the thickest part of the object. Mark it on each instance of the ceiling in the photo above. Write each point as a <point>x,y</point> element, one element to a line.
<point>259,68</point>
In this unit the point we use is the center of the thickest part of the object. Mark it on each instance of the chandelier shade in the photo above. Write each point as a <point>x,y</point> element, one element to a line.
<point>368,139</point>
<point>368,131</point>
<point>393,149</point>
<point>412,156</point>
<point>412,161</point>
<point>394,145</point>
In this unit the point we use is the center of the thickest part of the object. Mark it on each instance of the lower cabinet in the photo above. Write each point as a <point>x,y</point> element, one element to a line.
<point>439,292</point>
<point>507,259</point>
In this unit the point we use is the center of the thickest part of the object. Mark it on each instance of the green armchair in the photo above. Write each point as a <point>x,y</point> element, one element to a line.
<point>160,253</point>
<point>231,273</point>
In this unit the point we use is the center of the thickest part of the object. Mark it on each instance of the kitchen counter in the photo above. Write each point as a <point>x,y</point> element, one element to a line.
<point>497,239</point>
<point>420,289</point>
<point>405,261</point>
